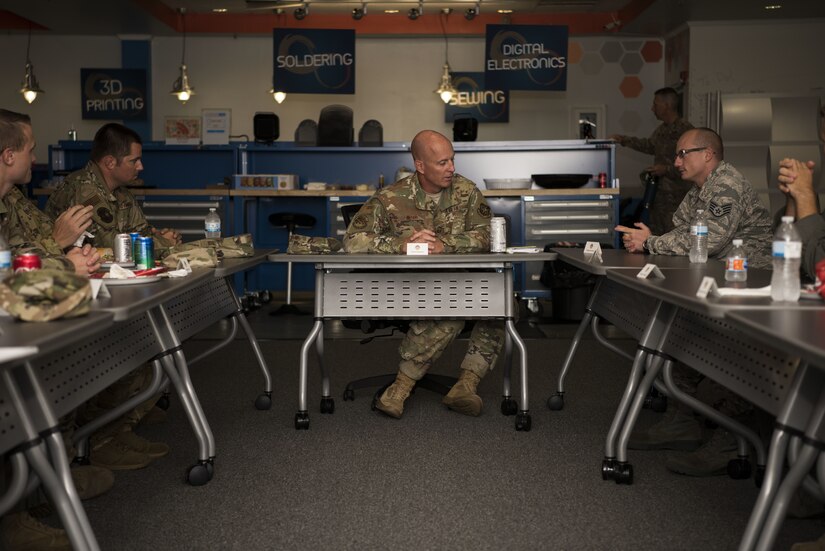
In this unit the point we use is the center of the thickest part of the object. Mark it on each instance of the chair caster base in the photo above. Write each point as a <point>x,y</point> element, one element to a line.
<point>508,406</point>
<point>263,401</point>
<point>302,420</point>
<point>327,405</point>
<point>556,401</point>
<point>523,421</point>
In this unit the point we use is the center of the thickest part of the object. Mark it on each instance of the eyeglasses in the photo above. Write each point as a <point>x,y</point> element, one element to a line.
<point>682,152</point>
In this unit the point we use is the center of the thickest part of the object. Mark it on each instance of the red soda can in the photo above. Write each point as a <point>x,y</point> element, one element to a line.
<point>26,262</point>
<point>602,180</point>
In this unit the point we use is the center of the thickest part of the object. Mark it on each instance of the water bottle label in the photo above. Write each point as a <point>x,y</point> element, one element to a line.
<point>787,249</point>
<point>213,226</point>
<point>736,265</point>
<point>701,230</point>
<point>5,260</point>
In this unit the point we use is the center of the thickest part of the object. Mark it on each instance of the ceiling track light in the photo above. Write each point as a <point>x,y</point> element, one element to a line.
<point>30,87</point>
<point>181,87</point>
<point>415,13</point>
<point>470,13</point>
<point>301,12</point>
<point>359,13</point>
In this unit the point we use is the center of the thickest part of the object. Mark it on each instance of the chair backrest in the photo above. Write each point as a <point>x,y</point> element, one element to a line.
<point>335,126</point>
<point>349,210</point>
<point>307,133</point>
<point>371,134</point>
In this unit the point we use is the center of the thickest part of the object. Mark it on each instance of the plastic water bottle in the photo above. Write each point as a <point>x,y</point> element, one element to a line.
<point>212,224</point>
<point>736,266</point>
<point>699,238</point>
<point>787,255</point>
<point>5,255</point>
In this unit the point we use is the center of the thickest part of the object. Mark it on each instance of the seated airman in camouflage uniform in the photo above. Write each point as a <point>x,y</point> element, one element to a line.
<point>734,211</point>
<point>447,211</point>
<point>28,230</point>
<point>101,184</point>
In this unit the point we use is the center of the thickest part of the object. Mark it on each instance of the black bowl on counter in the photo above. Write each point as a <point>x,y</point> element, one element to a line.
<point>561,181</point>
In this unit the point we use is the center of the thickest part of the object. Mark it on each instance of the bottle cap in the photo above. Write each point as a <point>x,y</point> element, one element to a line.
<point>737,242</point>
<point>787,219</point>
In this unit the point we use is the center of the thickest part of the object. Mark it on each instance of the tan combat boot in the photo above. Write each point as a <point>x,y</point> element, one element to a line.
<point>462,397</point>
<point>392,401</point>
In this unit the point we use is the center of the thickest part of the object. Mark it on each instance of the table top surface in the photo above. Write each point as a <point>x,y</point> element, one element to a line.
<point>230,266</point>
<point>620,258</point>
<point>127,301</point>
<point>441,260</point>
<point>679,287</point>
<point>48,336</point>
<point>803,331</point>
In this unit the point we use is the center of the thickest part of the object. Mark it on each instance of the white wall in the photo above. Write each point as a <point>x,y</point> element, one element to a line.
<point>751,57</point>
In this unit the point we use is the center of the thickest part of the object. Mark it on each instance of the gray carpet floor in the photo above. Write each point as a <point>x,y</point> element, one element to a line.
<point>432,480</point>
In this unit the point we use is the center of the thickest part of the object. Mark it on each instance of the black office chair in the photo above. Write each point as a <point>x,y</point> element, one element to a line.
<point>371,134</point>
<point>335,126</point>
<point>306,133</point>
<point>290,221</point>
<point>440,384</point>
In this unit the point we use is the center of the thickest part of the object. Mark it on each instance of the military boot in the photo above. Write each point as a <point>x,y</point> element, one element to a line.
<point>677,430</point>
<point>462,397</point>
<point>392,401</point>
<point>22,532</point>
<point>709,460</point>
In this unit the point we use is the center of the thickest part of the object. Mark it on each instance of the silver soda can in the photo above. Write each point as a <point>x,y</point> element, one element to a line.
<point>498,234</point>
<point>122,248</point>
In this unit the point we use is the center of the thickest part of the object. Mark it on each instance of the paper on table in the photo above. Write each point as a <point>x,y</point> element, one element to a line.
<point>183,269</point>
<point>79,241</point>
<point>749,292</point>
<point>119,272</point>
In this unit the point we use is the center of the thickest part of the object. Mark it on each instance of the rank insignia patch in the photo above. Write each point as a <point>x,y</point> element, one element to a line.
<point>719,210</point>
<point>484,210</point>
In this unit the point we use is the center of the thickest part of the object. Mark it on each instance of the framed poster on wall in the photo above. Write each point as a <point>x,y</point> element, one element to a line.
<point>588,123</point>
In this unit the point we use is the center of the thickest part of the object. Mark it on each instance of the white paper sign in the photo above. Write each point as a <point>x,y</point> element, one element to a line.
<point>650,271</point>
<point>593,251</point>
<point>216,126</point>
<point>707,288</point>
<point>417,249</point>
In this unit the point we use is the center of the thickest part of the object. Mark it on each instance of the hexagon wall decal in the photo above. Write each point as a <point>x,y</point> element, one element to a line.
<point>652,51</point>
<point>631,87</point>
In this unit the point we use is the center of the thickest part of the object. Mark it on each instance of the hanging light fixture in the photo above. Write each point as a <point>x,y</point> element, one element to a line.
<point>278,95</point>
<point>30,87</point>
<point>445,88</point>
<point>181,87</point>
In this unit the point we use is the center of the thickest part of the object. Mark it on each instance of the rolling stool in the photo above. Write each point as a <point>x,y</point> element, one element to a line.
<point>290,221</point>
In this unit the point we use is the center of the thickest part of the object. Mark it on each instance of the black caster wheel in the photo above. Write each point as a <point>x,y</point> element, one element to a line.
<point>198,475</point>
<point>556,401</point>
<point>759,475</point>
<point>608,469</point>
<point>302,420</point>
<point>81,460</point>
<point>163,402</point>
<point>739,468</point>
<point>349,395</point>
<point>327,405</point>
<point>523,421</point>
<point>263,401</point>
<point>624,473</point>
<point>509,406</point>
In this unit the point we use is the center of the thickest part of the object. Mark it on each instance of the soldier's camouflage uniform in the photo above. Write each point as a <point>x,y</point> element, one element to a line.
<point>113,212</point>
<point>206,253</point>
<point>461,219</point>
<point>670,188</point>
<point>28,230</point>
<point>733,210</point>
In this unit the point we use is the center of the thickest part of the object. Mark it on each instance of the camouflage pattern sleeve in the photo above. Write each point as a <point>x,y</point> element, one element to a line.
<point>477,215</point>
<point>371,230</point>
<point>812,231</point>
<point>677,241</point>
<point>30,225</point>
<point>643,145</point>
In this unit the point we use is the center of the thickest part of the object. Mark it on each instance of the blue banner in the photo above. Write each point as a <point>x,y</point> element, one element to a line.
<point>475,100</point>
<point>314,61</point>
<point>113,94</point>
<point>526,57</point>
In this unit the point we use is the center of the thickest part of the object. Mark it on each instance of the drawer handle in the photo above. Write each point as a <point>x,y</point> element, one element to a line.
<point>570,231</point>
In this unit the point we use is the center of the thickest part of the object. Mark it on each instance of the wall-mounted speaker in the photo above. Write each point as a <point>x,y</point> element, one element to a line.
<point>465,128</point>
<point>266,127</point>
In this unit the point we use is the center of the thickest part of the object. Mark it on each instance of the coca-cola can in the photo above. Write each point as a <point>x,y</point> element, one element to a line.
<point>26,262</point>
<point>122,248</point>
<point>602,179</point>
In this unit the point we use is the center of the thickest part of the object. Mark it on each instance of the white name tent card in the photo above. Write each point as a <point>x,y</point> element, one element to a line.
<point>650,271</point>
<point>707,288</point>
<point>99,289</point>
<point>417,249</point>
<point>593,251</point>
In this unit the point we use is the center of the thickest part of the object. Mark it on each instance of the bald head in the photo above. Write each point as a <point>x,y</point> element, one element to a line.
<point>433,156</point>
<point>427,141</point>
<point>705,137</point>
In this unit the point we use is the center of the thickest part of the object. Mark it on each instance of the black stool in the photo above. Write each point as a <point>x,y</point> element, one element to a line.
<point>290,221</point>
